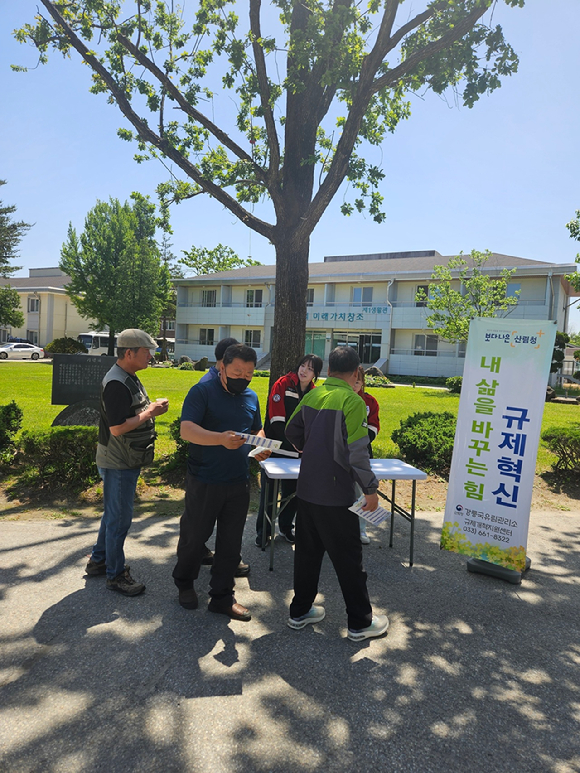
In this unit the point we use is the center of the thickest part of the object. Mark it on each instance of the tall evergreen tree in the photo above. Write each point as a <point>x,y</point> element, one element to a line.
<point>11,233</point>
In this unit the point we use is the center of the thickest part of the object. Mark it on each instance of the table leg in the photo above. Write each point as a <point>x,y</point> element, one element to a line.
<point>275,513</point>
<point>413,491</point>
<point>265,519</point>
<point>392,513</point>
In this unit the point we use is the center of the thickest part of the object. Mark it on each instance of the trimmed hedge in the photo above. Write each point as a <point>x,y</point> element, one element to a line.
<point>60,458</point>
<point>10,423</point>
<point>565,443</point>
<point>65,346</point>
<point>454,384</point>
<point>426,440</point>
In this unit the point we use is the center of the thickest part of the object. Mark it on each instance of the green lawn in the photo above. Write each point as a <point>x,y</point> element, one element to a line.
<point>29,384</point>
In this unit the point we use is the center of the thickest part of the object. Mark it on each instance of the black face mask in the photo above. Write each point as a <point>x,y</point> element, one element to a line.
<point>236,385</point>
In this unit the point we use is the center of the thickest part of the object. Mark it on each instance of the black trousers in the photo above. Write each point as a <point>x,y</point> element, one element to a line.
<point>286,520</point>
<point>205,505</point>
<point>333,530</point>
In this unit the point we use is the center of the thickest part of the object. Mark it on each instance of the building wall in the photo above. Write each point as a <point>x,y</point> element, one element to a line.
<point>57,317</point>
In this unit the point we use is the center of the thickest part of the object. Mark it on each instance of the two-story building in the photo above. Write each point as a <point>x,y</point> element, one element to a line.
<point>365,301</point>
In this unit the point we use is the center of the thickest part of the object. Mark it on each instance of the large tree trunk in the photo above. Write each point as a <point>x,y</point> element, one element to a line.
<point>290,310</point>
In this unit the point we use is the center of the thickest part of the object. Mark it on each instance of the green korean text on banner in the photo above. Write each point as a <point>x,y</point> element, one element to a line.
<point>507,365</point>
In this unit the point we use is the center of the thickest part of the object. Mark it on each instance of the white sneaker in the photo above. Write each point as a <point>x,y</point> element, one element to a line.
<point>314,615</point>
<point>378,627</point>
<point>364,538</point>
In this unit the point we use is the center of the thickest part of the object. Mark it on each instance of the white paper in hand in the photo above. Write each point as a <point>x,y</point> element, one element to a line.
<point>262,442</point>
<point>377,516</point>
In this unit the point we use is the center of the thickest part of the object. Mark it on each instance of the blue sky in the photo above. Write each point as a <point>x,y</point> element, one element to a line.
<point>503,176</point>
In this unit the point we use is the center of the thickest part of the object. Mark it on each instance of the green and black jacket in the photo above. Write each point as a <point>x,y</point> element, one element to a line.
<point>330,428</point>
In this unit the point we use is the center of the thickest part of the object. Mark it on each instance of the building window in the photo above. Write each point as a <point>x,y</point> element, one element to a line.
<point>425,289</point>
<point>253,338</point>
<point>33,304</point>
<point>513,289</point>
<point>362,296</point>
<point>169,324</point>
<point>206,336</point>
<point>253,298</point>
<point>426,345</point>
<point>208,297</point>
<point>3,335</point>
<point>32,336</point>
<point>310,296</point>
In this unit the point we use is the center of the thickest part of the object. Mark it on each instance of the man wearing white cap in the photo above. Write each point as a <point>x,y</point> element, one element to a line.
<point>126,443</point>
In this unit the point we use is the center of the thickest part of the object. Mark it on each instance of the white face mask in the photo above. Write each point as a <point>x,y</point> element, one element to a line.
<point>152,352</point>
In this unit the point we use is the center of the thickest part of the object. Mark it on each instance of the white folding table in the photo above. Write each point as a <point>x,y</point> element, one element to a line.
<point>385,469</point>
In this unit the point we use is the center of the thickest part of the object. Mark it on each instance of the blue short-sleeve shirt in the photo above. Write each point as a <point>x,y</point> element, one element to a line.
<point>213,408</point>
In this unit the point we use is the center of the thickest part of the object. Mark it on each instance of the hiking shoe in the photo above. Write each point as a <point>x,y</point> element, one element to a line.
<point>288,536</point>
<point>378,627</point>
<point>207,557</point>
<point>314,615</point>
<point>188,598</point>
<point>125,584</point>
<point>95,567</point>
<point>242,570</point>
<point>364,538</point>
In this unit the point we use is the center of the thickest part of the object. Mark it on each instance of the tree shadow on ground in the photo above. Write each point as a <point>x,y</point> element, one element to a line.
<point>473,671</point>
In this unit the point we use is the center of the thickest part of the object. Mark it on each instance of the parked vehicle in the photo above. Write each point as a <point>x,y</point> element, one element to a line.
<point>20,352</point>
<point>96,343</point>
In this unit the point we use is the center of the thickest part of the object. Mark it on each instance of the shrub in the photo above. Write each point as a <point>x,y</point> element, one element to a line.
<point>10,423</point>
<point>565,443</point>
<point>186,366</point>
<point>426,440</point>
<point>60,458</point>
<point>65,346</point>
<point>419,380</point>
<point>262,374</point>
<point>454,384</point>
<point>377,381</point>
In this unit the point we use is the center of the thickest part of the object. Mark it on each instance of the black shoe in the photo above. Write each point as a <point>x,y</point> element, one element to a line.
<point>235,611</point>
<point>288,536</point>
<point>242,570</point>
<point>259,541</point>
<point>188,598</point>
<point>207,558</point>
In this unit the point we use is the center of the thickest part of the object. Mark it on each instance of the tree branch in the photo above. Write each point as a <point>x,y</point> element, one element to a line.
<point>262,75</point>
<point>452,36</point>
<point>261,227</point>
<point>187,108</point>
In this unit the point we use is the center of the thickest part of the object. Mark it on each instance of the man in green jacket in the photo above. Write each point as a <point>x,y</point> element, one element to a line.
<point>330,428</point>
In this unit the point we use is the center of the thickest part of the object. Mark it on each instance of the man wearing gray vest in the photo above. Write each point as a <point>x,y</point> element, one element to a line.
<point>126,443</point>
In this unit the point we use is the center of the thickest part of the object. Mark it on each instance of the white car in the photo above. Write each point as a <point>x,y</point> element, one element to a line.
<point>20,352</point>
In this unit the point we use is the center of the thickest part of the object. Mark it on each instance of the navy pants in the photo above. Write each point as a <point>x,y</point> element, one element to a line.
<point>205,505</point>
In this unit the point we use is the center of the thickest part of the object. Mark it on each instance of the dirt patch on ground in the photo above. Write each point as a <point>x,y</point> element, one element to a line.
<point>163,500</point>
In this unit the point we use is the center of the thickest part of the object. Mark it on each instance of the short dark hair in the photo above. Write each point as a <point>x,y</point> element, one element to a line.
<point>314,361</point>
<point>343,359</point>
<point>239,352</point>
<point>222,345</point>
<point>122,351</point>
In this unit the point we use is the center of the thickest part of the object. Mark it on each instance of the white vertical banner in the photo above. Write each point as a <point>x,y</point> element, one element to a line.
<point>507,365</point>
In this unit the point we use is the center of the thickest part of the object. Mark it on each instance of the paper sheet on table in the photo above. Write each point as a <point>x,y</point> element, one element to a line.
<point>377,516</point>
<point>258,450</point>
<point>262,442</point>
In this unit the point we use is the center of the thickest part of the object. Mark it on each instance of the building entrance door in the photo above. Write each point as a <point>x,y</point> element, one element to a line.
<point>315,342</point>
<point>367,345</point>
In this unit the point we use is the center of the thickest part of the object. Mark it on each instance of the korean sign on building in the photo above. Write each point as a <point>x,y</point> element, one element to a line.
<point>507,364</point>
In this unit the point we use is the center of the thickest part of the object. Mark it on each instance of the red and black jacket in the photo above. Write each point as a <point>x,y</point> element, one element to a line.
<point>282,402</point>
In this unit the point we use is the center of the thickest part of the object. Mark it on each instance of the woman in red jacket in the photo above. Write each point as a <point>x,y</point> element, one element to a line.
<point>284,396</point>
<point>373,426</point>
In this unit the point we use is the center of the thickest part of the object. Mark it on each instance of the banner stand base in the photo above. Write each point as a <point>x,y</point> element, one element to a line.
<point>477,566</point>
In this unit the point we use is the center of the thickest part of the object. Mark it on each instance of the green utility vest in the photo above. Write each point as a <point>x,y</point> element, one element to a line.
<point>134,448</point>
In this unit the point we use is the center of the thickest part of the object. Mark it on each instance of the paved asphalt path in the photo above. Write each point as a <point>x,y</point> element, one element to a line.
<point>475,673</point>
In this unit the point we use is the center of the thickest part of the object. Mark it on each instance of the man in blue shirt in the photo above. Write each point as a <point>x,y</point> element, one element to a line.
<point>217,483</point>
